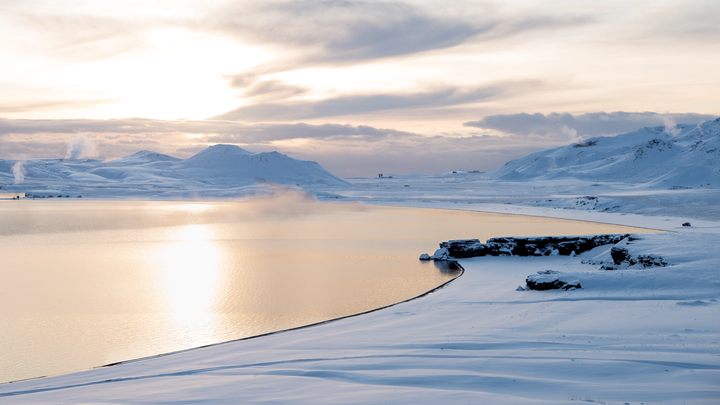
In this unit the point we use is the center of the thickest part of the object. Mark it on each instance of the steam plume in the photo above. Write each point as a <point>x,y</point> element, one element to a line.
<point>671,126</point>
<point>18,170</point>
<point>572,134</point>
<point>81,147</point>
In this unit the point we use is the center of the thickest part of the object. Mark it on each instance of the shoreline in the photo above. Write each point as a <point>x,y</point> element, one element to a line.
<point>456,263</point>
<point>445,284</point>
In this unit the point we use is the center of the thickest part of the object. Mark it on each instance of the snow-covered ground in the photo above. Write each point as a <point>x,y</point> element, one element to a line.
<point>636,336</point>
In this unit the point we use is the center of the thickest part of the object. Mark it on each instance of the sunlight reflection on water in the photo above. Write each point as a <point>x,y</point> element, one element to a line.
<point>191,269</point>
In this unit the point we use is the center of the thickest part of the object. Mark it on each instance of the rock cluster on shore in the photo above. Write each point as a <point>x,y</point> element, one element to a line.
<point>524,246</point>
<point>618,257</point>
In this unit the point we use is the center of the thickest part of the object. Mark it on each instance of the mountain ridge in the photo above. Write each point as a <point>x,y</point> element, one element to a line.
<point>222,168</point>
<point>654,156</point>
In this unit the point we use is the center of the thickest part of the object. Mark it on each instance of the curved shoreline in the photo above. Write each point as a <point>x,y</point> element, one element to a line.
<point>443,285</point>
<point>462,270</point>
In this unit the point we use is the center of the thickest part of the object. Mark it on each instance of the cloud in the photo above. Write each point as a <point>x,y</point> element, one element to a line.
<point>346,30</point>
<point>414,154</point>
<point>273,90</point>
<point>222,130</point>
<point>340,33</point>
<point>16,107</point>
<point>694,21</point>
<point>440,96</point>
<point>589,124</point>
<point>76,35</point>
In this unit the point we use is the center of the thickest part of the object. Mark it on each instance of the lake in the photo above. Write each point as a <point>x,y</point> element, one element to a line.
<point>87,283</point>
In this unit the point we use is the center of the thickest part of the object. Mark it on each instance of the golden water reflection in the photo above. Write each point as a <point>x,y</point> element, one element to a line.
<point>191,267</point>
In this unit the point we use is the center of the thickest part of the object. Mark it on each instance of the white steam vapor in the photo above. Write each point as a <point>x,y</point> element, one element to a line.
<point>572,134</point>
<point>81,147</point>
<point>18,170</point>
<point>671,126</point>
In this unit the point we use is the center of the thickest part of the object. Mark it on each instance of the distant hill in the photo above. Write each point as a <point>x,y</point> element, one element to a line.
<point>220,167</point>
<point>233,165</point>
<point>688,156</point>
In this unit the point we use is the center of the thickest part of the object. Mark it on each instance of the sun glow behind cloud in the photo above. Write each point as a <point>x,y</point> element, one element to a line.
<point>423,68</point>
<point>175,73</point>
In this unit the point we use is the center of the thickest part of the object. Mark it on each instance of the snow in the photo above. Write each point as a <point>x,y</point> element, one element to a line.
<point>220,171</point>
<point>649,155</point>
<point>634,335</point>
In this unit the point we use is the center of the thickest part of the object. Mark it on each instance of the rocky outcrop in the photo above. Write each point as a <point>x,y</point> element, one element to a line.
<point>529,246</point>
<point>623,259</point>
<point>441,254</point>
<point>552,280</point>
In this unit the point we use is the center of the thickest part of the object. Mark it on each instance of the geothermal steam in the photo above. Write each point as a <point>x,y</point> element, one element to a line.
<point>671,126</point>
<point>18,170</point>
<point>81,147</point>
<point>572,134</point>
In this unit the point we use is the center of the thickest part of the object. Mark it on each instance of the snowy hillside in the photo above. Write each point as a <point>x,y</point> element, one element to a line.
<point>658,157</point>
<point>653,171</point>
<point>218,171</point>
<point>231,164</point>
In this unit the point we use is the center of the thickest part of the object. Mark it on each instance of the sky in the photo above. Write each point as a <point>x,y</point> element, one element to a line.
<point>361,87</point>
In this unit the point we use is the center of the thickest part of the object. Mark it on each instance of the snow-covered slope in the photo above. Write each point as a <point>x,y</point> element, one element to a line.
<point>232,164</point>
<point>688,156</point>
<point>218,171</point>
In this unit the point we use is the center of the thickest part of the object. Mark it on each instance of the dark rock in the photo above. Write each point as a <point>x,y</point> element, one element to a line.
<point>585,144</point>
<point>529,246</point>
<point>551,280</point>
<point>441,254</point>
<point>651,261</point>
<point>466,248</point>
<point>623,258</point>
<point>620,255</point>
<point>686,224</point>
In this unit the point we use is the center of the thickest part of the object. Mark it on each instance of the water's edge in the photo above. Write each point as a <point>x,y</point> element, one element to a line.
<point>445,284</point>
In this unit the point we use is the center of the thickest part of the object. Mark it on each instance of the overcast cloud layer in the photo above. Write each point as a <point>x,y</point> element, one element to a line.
<point>591,124</point>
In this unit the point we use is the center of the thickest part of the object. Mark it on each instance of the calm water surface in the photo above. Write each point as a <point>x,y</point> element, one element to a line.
<point>86,283</point>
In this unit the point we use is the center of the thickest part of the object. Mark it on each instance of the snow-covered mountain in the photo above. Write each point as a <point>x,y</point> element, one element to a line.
<point>658,157</point>
<point>218,171</point>
<point>228,163</point>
